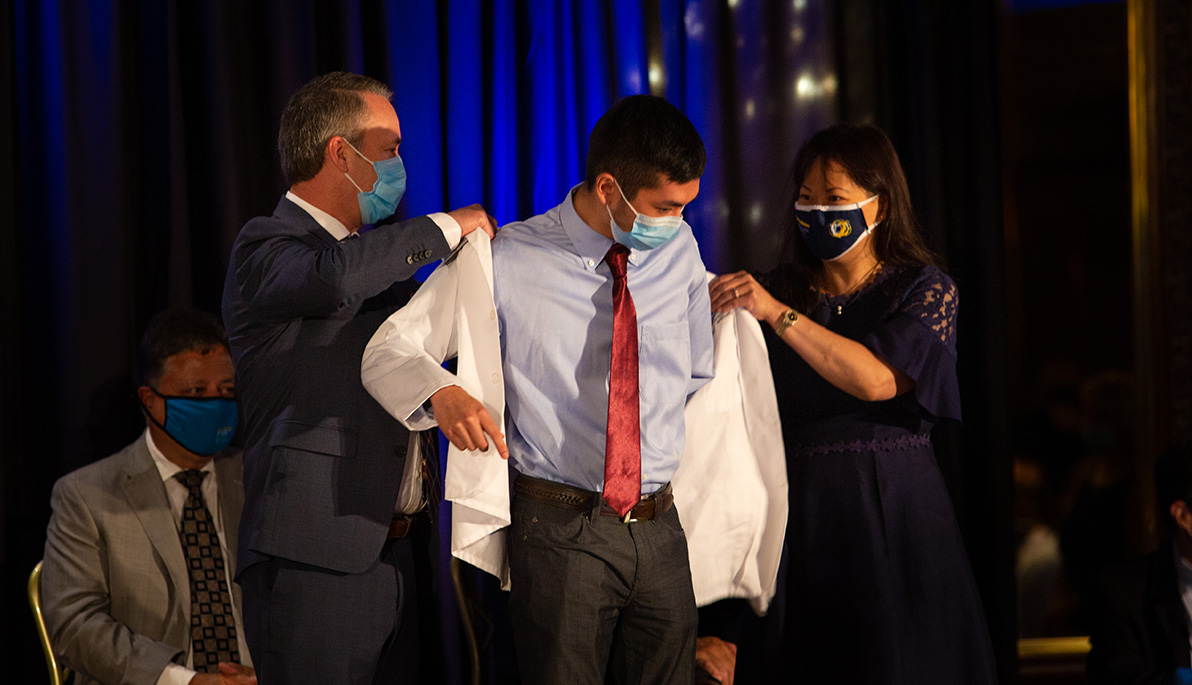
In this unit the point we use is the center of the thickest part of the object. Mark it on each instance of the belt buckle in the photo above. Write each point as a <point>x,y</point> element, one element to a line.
<point>628,515</point>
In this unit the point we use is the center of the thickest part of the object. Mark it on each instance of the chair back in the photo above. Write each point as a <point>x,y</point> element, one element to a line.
<point>58,673</point>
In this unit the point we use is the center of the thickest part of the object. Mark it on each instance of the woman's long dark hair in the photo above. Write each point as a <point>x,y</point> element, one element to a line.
<point>868,157</point>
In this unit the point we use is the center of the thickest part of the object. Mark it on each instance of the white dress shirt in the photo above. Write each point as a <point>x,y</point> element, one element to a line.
<point>176,492</point>
<point>732,496</point>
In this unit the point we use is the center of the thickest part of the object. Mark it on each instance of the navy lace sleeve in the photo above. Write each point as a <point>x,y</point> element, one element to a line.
<point>919,339</point>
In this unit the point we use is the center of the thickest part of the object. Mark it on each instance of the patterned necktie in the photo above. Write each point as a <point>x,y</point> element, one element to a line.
<point>622,452</point>
<point>212,628</point>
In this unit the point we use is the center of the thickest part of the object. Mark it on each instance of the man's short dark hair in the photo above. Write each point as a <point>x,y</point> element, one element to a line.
<point>175,331</point>
<point>329,105</point>
<point>1173,476</point>
<point>642,139</point>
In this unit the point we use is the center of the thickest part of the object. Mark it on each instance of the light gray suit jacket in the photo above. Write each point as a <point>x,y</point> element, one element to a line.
<point>115,592</point>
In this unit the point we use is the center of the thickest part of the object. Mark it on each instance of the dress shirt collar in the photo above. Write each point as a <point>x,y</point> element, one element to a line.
<point>165,467</point>
<point>328,222</point>
<point>590,245</point>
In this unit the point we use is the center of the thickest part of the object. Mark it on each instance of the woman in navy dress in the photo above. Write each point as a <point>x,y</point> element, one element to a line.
<point>878,586</point>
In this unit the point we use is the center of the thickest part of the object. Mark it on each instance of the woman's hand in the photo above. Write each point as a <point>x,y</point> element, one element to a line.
<point>841,361</point>
<point>742,290</point>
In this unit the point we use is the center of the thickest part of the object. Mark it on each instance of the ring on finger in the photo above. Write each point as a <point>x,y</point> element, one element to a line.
<point>736,295</point>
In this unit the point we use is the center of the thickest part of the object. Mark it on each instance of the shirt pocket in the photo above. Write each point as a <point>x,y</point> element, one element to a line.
<point>664,363</point>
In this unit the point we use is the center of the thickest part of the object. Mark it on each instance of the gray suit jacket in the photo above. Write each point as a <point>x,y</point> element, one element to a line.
<point>114,586</point>
<point>322,460</point>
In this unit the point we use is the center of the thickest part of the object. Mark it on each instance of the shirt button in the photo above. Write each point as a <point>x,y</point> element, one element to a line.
<point>591,262</point>
<point>492,315</point>
<point>496,378</point>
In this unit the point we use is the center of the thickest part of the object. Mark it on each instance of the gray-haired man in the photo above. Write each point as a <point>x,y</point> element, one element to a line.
<point>329,562</point>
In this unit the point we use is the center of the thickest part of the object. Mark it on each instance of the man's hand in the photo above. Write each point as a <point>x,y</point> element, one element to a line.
<point>465,421</point>
<point>717,657</point>
<point>474,217</point>
<point>229,674</point>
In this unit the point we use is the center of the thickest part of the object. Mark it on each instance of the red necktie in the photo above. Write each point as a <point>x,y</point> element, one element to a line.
<point>622,451</point>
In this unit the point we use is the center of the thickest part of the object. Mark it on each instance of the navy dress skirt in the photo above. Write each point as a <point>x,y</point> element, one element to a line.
<point>878,588</point>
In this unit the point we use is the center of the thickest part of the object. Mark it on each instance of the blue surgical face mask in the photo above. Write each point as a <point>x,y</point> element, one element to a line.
<point>380,202</point>
<point>203,425</point>
<point>832,230</point>
<point>648,232</point>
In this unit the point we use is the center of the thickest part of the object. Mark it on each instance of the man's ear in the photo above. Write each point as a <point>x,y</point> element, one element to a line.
<point>605,188</point>
<point>1181,515</point>
<point>336,153</point>
<point>149,401</point>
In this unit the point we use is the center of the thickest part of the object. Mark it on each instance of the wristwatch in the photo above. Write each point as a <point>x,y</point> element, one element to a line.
<point>785,321</point>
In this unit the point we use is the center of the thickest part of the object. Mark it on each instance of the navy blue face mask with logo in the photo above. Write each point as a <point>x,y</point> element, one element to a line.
<point>203,425</point>
<point>832,230</point>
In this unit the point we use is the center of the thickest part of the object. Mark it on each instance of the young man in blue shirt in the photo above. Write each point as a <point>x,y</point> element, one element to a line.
<point>605,331</point>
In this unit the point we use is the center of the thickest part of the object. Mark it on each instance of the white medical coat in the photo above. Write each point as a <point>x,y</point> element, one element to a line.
<point>730,488</point>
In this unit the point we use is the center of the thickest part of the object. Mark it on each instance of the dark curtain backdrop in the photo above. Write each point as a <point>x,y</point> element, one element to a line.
<point>137,138</point>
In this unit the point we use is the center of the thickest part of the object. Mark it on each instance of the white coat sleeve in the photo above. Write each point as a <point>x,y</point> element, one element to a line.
<point>402,363</point>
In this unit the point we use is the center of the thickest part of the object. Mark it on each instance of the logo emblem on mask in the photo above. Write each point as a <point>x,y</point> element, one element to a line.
<point>840,228</point>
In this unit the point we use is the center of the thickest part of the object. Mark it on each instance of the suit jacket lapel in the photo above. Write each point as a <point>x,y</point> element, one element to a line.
<point>147,496</point>
<point>294,215</point>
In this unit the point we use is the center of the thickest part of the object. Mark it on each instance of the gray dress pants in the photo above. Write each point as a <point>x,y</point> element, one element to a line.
<point>596,600</point>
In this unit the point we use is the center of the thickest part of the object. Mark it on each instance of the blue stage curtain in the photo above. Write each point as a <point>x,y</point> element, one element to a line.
<point>138,138</point>
<point>142,137</point>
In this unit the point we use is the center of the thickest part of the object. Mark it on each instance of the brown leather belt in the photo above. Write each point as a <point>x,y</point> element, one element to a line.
<point>576,499</point>
<point>402,525</point>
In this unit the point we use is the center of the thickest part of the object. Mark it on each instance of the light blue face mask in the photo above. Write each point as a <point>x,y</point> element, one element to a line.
<point>203,425</point>
<point>648,231</point>
<point>380,202</point>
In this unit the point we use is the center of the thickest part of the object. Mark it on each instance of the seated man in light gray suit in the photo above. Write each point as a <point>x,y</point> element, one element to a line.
<point>136,584</point>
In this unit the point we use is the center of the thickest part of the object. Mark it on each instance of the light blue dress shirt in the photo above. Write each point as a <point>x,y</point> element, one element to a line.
<point>554,300</point>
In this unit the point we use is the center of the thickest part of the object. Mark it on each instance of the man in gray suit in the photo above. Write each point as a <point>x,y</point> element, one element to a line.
<point>333,554</point>
<point>119,600</point>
